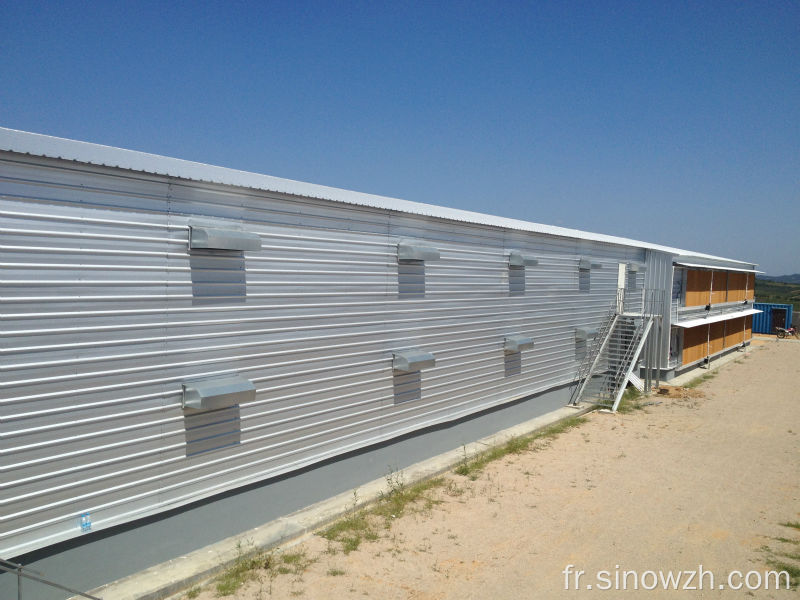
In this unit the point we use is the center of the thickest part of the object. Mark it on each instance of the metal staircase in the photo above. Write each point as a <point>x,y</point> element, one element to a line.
<point>593,353</point>
<point>614,354</point>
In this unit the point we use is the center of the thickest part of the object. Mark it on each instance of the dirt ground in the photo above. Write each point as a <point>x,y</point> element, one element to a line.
<point>704,477</point>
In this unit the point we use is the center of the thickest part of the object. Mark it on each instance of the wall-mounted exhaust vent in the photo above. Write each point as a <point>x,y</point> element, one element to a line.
<point>584,264</point>
<point>217,392</point>
<point>407,251</point>
<point>213,238</point>
<point>585,333</point>
<point>518,259</point>
<point>517,343</point>
<point>409,361</point>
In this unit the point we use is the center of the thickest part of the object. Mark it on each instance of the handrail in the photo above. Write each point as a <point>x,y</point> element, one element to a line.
<point>639,313</point>
<point>26,572</point>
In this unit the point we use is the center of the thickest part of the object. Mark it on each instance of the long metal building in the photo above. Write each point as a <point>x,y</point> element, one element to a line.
<point>173,330</point>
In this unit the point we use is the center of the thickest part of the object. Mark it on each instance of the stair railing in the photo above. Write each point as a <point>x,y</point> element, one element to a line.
<point>24,572</point>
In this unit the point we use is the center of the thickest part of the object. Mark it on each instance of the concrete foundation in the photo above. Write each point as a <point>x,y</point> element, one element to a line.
<point>97,559</point>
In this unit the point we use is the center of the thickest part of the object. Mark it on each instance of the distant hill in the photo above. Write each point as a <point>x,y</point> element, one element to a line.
<point>781,278</point>
<point>779,290</point>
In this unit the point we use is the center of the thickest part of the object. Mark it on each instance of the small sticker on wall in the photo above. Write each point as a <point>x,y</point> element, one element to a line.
<point>86,522</point>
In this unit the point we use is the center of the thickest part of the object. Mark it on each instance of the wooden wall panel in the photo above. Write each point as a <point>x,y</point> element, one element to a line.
<point>716,337</point>
<point>751,286</point>
<point>719,287</point>
<point>734,332</point>
<point>695,344</point>
<point>736,286</point>
<point>748,327</point>
<point>698,287</point>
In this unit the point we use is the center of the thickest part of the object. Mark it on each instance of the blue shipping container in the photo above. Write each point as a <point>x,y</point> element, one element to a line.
<point>771,316</point>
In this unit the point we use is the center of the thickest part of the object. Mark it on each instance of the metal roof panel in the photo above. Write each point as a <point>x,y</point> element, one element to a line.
<point>36,144</point>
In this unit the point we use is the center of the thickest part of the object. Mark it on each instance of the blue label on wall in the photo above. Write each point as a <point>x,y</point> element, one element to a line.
<point>86,522</point>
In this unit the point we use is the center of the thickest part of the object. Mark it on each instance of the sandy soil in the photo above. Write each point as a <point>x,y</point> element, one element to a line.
<point>689,481</point>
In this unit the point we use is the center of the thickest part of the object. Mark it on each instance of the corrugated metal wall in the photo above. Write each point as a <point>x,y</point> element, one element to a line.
<point>106,311</point>
<point>658,276</point>
<point>762,322</point>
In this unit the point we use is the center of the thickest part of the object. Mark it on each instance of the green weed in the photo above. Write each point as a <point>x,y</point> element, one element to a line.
<point>248,563</point>
<point>792,570</point>
<point>700,380</point>
<point>350,531</point>
<point>360,525</point>
<point>777,558</point>
<point>393,503</point>
<point>453,489</point>
<point>630,401</point>
<point>471,468</point>
<point>787,540</point>
<point>242,570</point>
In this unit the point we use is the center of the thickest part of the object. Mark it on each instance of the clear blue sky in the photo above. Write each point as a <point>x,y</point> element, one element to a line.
<point>677,123</point>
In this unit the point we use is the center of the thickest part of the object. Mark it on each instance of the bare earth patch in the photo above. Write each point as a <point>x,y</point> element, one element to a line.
<point>704,476</point>
<point>675,391</point>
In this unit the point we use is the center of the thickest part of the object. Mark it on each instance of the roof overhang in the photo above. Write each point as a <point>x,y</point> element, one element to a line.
<point>716,318</point>
<point>713,267</point>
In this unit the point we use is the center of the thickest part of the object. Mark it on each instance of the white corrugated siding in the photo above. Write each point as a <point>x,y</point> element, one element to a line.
<point>36,144</point>
<point>659,277</point>
<point>105,312</point>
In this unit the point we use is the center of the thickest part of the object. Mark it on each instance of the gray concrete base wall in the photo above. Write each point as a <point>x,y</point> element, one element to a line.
<point>109,555</point>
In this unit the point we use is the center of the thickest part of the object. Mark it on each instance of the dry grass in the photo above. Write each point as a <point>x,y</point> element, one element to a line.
<point>471,467</point>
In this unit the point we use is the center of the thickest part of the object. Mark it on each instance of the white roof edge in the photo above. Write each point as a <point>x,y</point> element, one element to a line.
<point>716,318</point>
<point>36,144</point>
<point>681,263</point>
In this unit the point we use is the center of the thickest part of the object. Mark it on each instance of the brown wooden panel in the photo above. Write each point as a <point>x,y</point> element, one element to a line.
<point>698,287</point>
<point>734,332</point>
<point>748,327</point>
<point>736,285</point>
<point>695,344</point>
<point>751,286</point>
<point>719,287</point>
<point>716,337</point>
